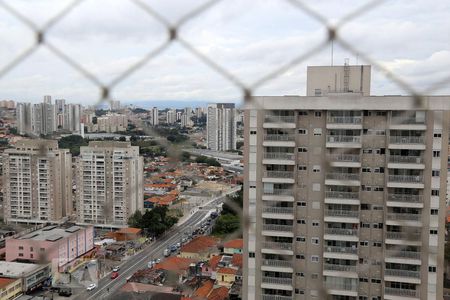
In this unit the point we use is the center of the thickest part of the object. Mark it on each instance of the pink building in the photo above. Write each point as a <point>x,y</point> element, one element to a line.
<point>54,244</point>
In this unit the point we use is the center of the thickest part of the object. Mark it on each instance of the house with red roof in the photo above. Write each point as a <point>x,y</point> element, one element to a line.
<point>226,276</point>
<point>176,265</point>
<point>233,246</point>
<point>200,248</point>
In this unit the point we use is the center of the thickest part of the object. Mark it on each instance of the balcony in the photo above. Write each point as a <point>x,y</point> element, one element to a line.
<point>278,195</point>
<point>273,121</point>
<point>341,234</point>
<point>401,292</point>
<point>277,248</point>
<point>280,140</point>
<point>405,198</point>
<point>345,179</point>
<point>403,254</point>
<point>406,162</point>
<point>350,158</point>
<point>276,263</point>
<point>403,238</point>
<point>407,123</point>
<point>404,216</point>
<point>336,197</point>
<point>279,176</point>
<point>274,212</point>
<point>344,122</point>
<point>344,250</point>
<point>405,181</point>
<point>343,141</point>
<point>342,213</point>
<point>277,280</point>
<point>402,273</point>
<point>407,142</point>
<point>340,286</point>
<point>283,158</point>
<point>273,227</point>
<point>275,297</point>
<point>340,268</point>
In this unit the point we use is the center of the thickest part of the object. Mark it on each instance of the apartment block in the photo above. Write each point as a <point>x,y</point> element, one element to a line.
<point>154,116</point>
<point>345,194</point>
<point>221,126</point>
<point>171,116</point>
<point>37,180</point>
<point>109,183</point>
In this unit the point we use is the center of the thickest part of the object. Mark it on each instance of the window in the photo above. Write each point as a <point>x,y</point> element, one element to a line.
<point>365,206</point>
<point>380,151</point>
<point>302,149</point>
<point>317,131</point>
<point>379,170</point>
<point>301,274</point>
<point>301,221</point>
<point>433,231</point>
<point>315,223</point>
<point>20,254</point>
<point>31,255</point>
<point>363,298</point>
<point>253,186</point>
<point>314,276</point>
<point>316,168</point>
<point>434,212</point>
<point>367,151</point>
<point>377,225</point>
<point>20,247</point>
<point>432,269</point>
<point>435,173</point>
<point>302,168</point>
<point>317,92</point>
<point>251,254</point>
<point>301,239</point>
<point>361,279</point>
<point>42,249</point>
<point>366,170</point>
<point>436,153</point>
<point>437,135</point>
<point>314,258</point>
<point>315,241</point>
<point>301,203</point>
<point>365,225</point>
<point>376,244</point>
<point>376,280</point>
<point>366,188</point>
<point>300,256</point>
<point>377,207</point>
<point>317,113</point>
<point>364,243</point>
<point>31,249</point>
<point>302,131</point>
<point>378,188</point>
<point>252,132</point>
<point>434,192</point>
<point>302,113</point>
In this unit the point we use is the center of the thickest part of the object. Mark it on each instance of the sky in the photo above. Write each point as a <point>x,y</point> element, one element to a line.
<point>248,38</point>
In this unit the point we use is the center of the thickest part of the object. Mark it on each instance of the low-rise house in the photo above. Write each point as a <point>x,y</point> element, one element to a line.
<point>226,276</point>
<point>200,248</point>
<point>176,267</point>
<point>125,234</point>
<point>31,276</point>
<point>220,293</point>
<point>10,288</point>
<point>233,246</point>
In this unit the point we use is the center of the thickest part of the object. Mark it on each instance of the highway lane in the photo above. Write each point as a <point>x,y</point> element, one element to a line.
<point>107,286</point>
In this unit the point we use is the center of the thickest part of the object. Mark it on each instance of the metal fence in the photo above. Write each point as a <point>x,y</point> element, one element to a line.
<point>173,29</point>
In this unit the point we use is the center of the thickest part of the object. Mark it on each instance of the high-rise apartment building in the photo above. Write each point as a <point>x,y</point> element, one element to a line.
<point>23,114</point>
<point>221,126</point>
<point>37,181</point>
<point>109,183</point>
<point>345,193</point>
<point>154,116</point>
<point>171,116</point>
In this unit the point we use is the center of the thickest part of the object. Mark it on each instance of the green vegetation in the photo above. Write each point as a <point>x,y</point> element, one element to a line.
<point>229,220</point>
<point>174,135</point>
<point>73,143</point>
<point>154,222</point>
<point>149,148</point>
<point>139,110</point>
<point>207,160</point>
<point>185,156</point>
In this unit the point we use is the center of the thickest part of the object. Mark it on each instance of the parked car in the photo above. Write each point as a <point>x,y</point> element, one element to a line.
<point>158,260</point>
<point>178,245</point>
<point>116,269</point>
<point>173,248</point>
<point>65,292</point>
<point>114,275</point>
<point>91,286</point>
<point>166,252</point>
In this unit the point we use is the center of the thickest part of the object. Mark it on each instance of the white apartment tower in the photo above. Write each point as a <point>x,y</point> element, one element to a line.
<point>221,126</point>
<point>109,183</point>
<point>345,192</point>
<point>37,181</point>
<point>171,116</point>
<point>155,116</point>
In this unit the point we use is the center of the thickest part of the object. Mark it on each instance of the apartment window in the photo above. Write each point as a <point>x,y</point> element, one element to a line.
<point>437,135</point>
<point>363,298</point>
<point>42,249</point>
<point>317,131</point>
<point>434,192</point>
<point>300,256</point>
<point>378,188</point>
<point>436,153</point>
<point>302,131</point>
<point>365,225</point>
<point>376,298</point>
<point>317,113</point>
<point>317,92</point>
<point>253,186</point>
<point>380,151</point>
<point>433,231</point>
<point>302,149</point>
<point>251,254</point>
<point>362,279</point>
<point>31,255</point>
<point>377,225</point>
<point>377,207</point>
<point>365,206</point>
<point>302,168</point>
<point>253,132</point>
<point>363,261</point>
<point>301,203</point>
<point>302,113</point>
<point>315,241</point>
<point>316,168</point>
<point>376,280</point>
<point>366,188</point>
<point>300,274</point>
<point>315,223</point>
<point>366,170</point>
<point>314,276</point>
<point>376,244</point>
<point>20,254</point>
<point>20,247</point>
<point>314,258</point>
<point>31,249</point>
<point>435,173</point>
<point>432,269</point>
<point>379,170</point>
<point>301,221</point>
<point>301,239</point>
<point>434,212</point>
<point>367,151</point>
<point>364,243</point>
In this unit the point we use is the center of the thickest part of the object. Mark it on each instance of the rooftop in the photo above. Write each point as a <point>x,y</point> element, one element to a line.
<point>129,230</point>
<point>204,290</point>
<point>4,282</point>
<point>174,263</point>
<point>221,293</point>
<point>15,269</point>
<point>50,233</point>
<point>227,271</point>
<point>236,244</point>
<point>199,244</point>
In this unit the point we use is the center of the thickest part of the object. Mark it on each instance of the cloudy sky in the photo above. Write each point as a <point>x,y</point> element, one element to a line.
<point>248,38</point>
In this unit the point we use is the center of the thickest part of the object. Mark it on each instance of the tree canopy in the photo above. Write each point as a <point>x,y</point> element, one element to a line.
<point>154,222</point>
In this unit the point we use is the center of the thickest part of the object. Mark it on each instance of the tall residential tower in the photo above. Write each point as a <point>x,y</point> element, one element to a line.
<point>221,126</point>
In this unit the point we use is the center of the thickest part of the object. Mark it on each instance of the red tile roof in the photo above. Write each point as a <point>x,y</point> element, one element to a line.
<point>205,289</point>
<point>227,271</point>
<point>4,282</point>
<point>200,244</point>
<point>129,230</point>
<point>237,260</point>
<point>236,244</point>
<point>214,260</point>
<point>174,263</point>
<point>220,293</point>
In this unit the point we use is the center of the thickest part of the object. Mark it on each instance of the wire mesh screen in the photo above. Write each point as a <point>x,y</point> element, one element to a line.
<point>331,34</point>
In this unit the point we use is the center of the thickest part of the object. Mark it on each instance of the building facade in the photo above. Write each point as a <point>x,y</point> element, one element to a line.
<point>171,116</point>
<point>345,195</point>
<point>37,180</point>
<point>154,116</point>
<point>109,183</point>
<point>221,127</point>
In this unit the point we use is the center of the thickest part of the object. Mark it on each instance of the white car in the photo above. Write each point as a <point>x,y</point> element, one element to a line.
<point>91,286</point>
<point>116,269</point>
<point>158,260</point>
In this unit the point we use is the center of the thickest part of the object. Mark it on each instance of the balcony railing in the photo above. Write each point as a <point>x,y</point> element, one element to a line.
<point>279,137</point>
<point>403,217</point>
<point>276,297</point>
<point>402,273</point>
<point>343,268</point>
<point>279,174</point>
<point>343,139</point>
<point>403,254</point>
<point>343,250</point>
<point>405,198</point>
<point>401,292</point>
<point>342,213</point>
<point>277,246</point>
<point>405,159</point>
<point>406,178</point>
<point>279,119</point>
<point>407,139</point>
<point>341,231</point>
<point>340,286</point>
<point>344,120</point>
<point>273,227</point>
<point>278,210</point>
<point>277,263</point>
<point>280,192</point>
<point>406,236</point>
<point>277,280</point>
<point>342,176</point>
<point>279,155</point>
<point>406,121</point>
<point>344,157</point>
<point>341,195</point>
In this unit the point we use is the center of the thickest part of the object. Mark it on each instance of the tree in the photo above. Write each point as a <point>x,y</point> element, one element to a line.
<point>226,224</point>
<point>135,219</point>
<point>155,221</point>
<point>185,156</point>
<point>73,143</point>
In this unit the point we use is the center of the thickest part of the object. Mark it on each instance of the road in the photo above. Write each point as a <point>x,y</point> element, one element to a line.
<point>107,286</point>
